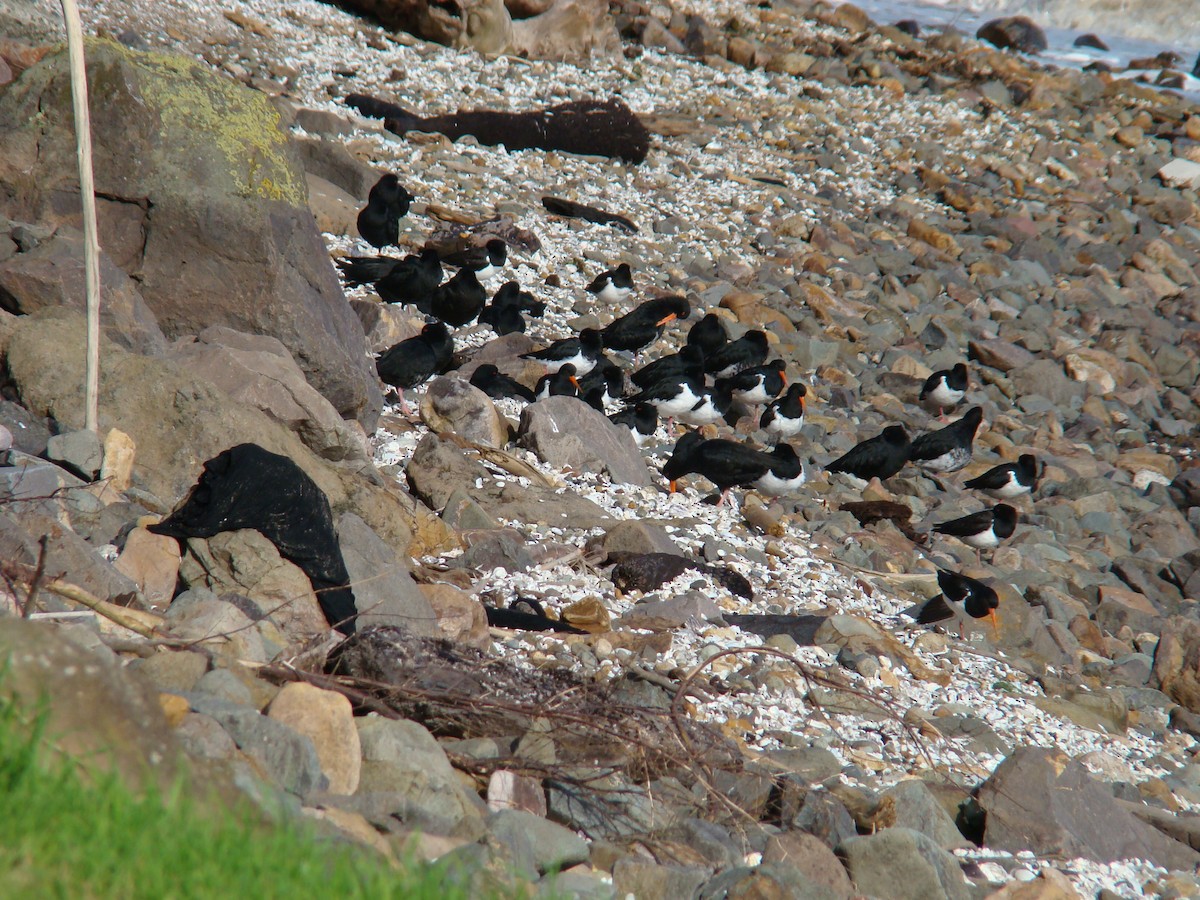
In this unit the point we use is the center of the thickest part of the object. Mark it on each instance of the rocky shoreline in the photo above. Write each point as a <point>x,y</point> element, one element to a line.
<point>883,206</point>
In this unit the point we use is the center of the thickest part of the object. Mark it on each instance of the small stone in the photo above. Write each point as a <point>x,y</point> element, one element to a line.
<point>78,451</point>
<point>119,452</point>
<point>327,719</point>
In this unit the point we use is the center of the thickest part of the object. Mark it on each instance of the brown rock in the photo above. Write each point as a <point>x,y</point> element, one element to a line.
<point>590,614</point>
<point>453,404</point>
<point>328,720</point>
<point>1129,136</point>
<point>119,453</point>
<point>335,210</point>
<point>1050,884</point>
<point>934,237</point>
<point>509,790</point>
<point>1088,634</point>
<point>568,29</point>
<point>809,856</point>
<point>151,561</point>
<point>460,616</point>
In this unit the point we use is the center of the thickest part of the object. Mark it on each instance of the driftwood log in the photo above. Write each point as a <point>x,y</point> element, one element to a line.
<point>587,127</point>
<point>535,29</point>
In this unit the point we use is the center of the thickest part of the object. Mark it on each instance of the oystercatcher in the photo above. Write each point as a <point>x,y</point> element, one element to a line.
<point>503,313</point>
<point>560,383</point>
<point>416,360</point>
<point>379,220</point>
<point>786,472</point>
<point>961,596</point>
<point>983,530</point>
<point>613,286</point>
<point>359,270</point>
<point>728,464</point>
<point>411,279</point>
<point>641,419</point>
<point>644,324</point>
<point>712,406</point>
<point>708,334</point>
<point>499,386</point>
<point>456,302</point>
<point>748,350</point>
<point>879,457</point>
<point>947,449</point>
<point>945,389</point>
<point>688,362</point>
<point>607,376</point>
<point>758,384</point>
<point>582,351</point>
<point>1008,480</point>
<point>783,418</point>
<point>486,261</point>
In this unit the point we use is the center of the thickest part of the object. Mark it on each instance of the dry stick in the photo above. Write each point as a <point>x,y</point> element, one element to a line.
<point>87,191</point>
<point>38,574</point>
<point>98,606</point>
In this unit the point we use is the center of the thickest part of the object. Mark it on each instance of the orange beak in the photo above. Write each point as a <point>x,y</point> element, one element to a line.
<point>995,622</point>
<point>783,375</point>
<point>574,381</point>
<point>672,485</point>
<point>670,318</point>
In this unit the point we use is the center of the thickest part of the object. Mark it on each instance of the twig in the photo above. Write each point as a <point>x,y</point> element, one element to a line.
<point>35,582</point>
<point>100,607</point>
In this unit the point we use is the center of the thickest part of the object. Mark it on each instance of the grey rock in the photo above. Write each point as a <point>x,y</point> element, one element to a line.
<point>78,451</point>
<point>917,808</point>
<point>675,612</point>
<point>541,844</point>
<point>902,864</point>
<point>567,433</point>
<point>174,670</point>
<point>197,615</point>
<point>496,548</point>
<point>1045,377</point>
<point>465,514</point>
<point>224,685</point>
<point>577,885</point>
<point>825,817</point>
<point>288,758</point>
<point>203,737</point>
<point>384,590</point>
<point>809,857</point>
<point>636,536</point>
<point>31,479</point>
<point>404,763</point>
<point>767,880</point>
<point>650,881</point>
<point>1041,800</point>
<point>29,432</point>
<point>438,469</point>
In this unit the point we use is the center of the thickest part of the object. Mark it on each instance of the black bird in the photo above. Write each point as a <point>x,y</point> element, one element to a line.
<point>607,376</point>
<point>582,351</point>
<point>983,530</point>
<point>728,464</point>
<point>672,396</point>
<point>708,334</point>
<point>561,383</point>
<point>784,417</point>
<point>644,324</point>
<point>456,302</point>
<point>712,406</point>
<point>358,270</point>
<point>416,360</point>
<point>747,351</point>
<point>379,220</point>
<point>759,384</point>
<point>486,260</point>
<point>688,362</point>
<point>613,286</point>
<point>1008,480</point>
<point>945,389</point>
<point>503,313</point>
<point>947,449</point>
<point>498,386</point>
<point>879,457</point>
<point>961,595</point>
<point>411,278</point>
<point>786,472</point>
<point>641,419</point>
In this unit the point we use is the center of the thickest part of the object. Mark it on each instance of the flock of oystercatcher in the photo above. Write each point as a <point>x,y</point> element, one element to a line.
<point>677,387</point>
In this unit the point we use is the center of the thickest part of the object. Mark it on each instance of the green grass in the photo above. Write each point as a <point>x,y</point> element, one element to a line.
<point>67,834</point>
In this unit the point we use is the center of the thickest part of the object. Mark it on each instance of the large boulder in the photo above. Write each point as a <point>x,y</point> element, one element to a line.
<point>201,200</point>
<point>566,432</point>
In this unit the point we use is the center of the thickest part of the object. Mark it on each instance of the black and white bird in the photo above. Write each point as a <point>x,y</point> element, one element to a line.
<point>709,334</point>
<point>485,261</point>
<point>759,384</point>
<point>582,351</point>
<point>379,220</point>
<point>641,420</point>
<point>499,386</point>
<point>416,360</point>
<point>747,351</point>
<point>688,362</point>
<point>945,389</point>
<point>1008,480</point>
<point>728,464</point>
<point>560,383</point>
<point>961,597</point>
<point>784,417</point>
<point>983,530</point>
<point>879,457</point>
<point>614,286</point>
<point>947,449</point>
<point>608,377</point>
